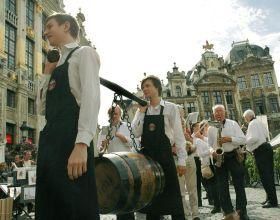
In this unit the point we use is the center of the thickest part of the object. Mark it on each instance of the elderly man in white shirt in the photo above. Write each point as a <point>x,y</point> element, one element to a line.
<point>69,97</point>
<point>159,126</point>
<point>231,139</point>
<point>257,142</point>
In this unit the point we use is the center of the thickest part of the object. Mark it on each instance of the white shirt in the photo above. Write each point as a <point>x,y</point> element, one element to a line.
<point>230,129</point>
<point>202,149</point>
<point>172,124</point>
<point>116,145</point>
<point>256,134</point>
<point>84,83</point>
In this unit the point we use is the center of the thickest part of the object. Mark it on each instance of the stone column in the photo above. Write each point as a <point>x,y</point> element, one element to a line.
<point>2,29</point>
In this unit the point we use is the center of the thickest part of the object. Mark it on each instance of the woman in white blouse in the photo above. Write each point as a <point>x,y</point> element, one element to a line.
<point>203,151</point>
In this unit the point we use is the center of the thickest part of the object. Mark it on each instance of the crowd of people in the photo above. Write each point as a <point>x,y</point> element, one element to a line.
<point>69,97</point>
<point>201,142</point>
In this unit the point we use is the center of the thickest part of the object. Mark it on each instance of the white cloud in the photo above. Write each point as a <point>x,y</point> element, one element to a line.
<point>133,37</point>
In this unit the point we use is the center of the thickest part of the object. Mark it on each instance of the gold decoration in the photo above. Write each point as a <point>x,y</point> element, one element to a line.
<point>39,7</point>
<point>45,45</point>
<point>30,32</point>
<point>208,46</point>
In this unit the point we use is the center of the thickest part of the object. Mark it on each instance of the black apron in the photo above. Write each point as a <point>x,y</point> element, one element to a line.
<point>58,197</point>
<point>157,146</point>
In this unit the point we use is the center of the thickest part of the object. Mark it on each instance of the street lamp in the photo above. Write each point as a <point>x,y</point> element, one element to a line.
<point>24,130</point>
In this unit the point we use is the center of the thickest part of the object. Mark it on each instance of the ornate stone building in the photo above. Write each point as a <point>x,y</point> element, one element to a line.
<point>252,67</point>
<point>245,79</point>
<point>22,54</point>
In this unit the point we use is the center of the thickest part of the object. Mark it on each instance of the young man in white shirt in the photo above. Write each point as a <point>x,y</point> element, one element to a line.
<point>159,126</point>
<point>257,142</point>
<point>69,96</point>
<point>231,138</point>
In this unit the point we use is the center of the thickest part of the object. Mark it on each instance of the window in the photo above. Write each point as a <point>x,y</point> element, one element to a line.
<point>229,97</point>
<point>11,99</point>
<point>217,97</point>
<point>10,134</point>
<point>231,114</point>
<point>31,135</point>
<point>260,109</point>
<point>255,81</point>
<point>273,102</point>
<point>11,6</point>
<point>241,82</point>
<point>168,93</point>
<point>30,13</point>
<point>267,79</point>
<point>29,58</point>
<point>44,57</point>
<point>44,18</point>
<point>245,105</point>
<point>189,93</point>
<point>208,115</point>
<point>10,45</point>
<point>190,107</point>
<point>178,91</point>
<point>205,97</point>
<point>31,106</point>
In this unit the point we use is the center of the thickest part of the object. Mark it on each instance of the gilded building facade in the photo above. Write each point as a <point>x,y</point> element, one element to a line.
<point>23,51</point>
<point>246,79</point>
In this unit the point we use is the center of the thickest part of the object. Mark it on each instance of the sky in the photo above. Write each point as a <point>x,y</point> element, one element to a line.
<point>137,36</point>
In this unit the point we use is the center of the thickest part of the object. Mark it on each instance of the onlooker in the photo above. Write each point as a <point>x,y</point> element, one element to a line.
<point>27,162</point>
<point>257,142</point>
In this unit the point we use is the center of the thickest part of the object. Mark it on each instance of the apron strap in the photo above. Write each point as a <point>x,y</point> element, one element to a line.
<point>161,110</point>
<point>71,52</point>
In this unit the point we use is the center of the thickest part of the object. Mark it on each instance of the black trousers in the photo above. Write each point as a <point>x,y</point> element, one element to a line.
<point>129,216</point>
<point>157,217</point>
<point>264,161</point>
<point>237,171</point>
<point>198,179</point>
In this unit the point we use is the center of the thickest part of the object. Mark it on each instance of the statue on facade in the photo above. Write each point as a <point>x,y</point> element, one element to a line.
<point>208,46</point>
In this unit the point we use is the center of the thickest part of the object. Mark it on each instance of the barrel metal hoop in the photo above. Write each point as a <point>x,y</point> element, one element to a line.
<point>136,177</point>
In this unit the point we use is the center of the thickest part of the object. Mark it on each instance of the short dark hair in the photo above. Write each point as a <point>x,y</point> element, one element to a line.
<point>61,18</point>
<point>156,82</point>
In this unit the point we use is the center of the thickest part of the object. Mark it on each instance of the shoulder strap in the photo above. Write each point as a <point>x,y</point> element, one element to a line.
<point>161,110</point>
<point>71,52</point>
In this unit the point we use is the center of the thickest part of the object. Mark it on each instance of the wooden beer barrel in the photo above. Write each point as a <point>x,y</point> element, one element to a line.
<point>126,182</point>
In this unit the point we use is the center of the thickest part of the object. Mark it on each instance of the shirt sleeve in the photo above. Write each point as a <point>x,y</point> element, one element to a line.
<point>251,134</point>
<point>202,148</point>
<point>211,137</point>
<point>239,137</point>
<point>179,138</point>
<point>137,123</point>
<point>42,93</point>
<point>88,68</point>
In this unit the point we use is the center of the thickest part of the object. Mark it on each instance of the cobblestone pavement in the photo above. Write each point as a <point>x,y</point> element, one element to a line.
<point>255,210</point>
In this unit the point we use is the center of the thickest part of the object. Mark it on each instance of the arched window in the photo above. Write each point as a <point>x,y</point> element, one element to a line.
<point>178,91</point>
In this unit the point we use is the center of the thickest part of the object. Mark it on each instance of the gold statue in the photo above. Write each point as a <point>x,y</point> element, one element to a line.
<point>208,46</point>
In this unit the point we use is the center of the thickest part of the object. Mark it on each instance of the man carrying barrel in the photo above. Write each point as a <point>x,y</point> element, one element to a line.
<point>120,141</point>
<point>159,126</point>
